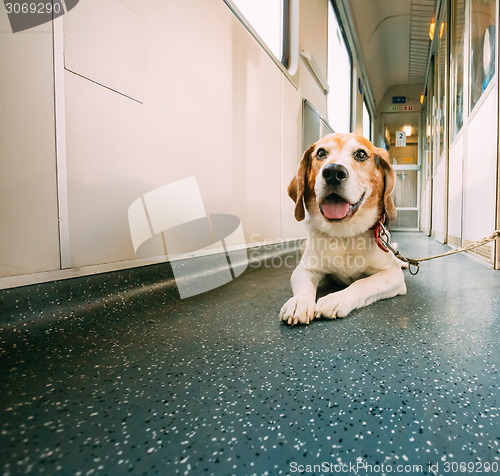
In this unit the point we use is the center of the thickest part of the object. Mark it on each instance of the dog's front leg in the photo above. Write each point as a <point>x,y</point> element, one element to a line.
<point>300,308</point>
<point>382,285</point>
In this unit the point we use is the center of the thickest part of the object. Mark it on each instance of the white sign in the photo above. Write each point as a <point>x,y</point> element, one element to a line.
<point>400,139</point>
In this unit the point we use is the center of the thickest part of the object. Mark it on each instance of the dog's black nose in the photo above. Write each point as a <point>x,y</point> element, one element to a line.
<point>334,174</point>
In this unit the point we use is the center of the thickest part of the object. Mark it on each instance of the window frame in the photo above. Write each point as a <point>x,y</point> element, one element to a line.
<point>443,81</point>
<point>370,120</point>
<point>351,67</point>
<point>458,51</point>
<point>473,108</point>
<point>286,60</point>
<point>286,41</point>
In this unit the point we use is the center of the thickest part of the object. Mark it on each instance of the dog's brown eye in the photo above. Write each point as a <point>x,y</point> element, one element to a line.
<point>321,154</point>
<point>360,155</point>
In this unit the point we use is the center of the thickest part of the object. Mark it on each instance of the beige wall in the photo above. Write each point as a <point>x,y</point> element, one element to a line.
<point>29,237</point>
<point>153,92</point>
<point>404,155</point>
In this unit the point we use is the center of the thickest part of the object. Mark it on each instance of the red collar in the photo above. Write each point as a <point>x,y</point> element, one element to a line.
<point>377,229</point>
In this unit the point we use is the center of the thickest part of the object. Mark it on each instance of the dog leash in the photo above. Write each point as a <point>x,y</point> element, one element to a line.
<point>383,239</point>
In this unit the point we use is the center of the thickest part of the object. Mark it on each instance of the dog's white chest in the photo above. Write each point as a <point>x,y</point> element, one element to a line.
<point>348,258</point>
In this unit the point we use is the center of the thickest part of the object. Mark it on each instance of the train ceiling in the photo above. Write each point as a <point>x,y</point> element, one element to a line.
<point>394,42</point>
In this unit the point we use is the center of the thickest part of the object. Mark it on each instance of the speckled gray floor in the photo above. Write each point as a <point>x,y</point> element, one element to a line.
<point>150,384</point>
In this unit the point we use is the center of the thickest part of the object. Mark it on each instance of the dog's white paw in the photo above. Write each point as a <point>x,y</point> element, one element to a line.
<point>334,305</point>
<point>298,310</point>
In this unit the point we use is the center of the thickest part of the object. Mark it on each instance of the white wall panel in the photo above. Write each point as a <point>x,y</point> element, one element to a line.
<point>480,171</point>
<point>314,41</point>
<point>29,240</point>
<point>154,92</point>
<point>438,202</point>
<point>104,41</point>
<point>211,109</point>
<point>108,165</point>
<point>425,207</point>
<point>455,171</point>
<point>292,153</point>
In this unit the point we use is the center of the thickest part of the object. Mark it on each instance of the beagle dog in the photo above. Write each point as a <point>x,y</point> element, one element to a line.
<point>343,190</point>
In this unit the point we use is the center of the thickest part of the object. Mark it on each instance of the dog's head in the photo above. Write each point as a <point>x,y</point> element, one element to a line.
<point>345,184</point>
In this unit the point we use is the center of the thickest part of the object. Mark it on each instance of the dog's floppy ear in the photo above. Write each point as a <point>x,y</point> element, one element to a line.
<point>297,185</point>
<point>382,159</point>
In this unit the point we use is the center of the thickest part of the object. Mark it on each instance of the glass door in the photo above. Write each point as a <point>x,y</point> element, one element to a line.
<point>405,159</point>
<point>406,197</point>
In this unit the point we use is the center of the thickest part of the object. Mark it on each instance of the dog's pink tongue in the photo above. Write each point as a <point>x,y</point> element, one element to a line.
<point>335,208</point>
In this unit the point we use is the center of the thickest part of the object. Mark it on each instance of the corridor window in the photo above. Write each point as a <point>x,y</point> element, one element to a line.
<point>482,57</point>
<point>443,57</point>
<point>457,68</point>
<point>339,76</point>
<point>267,19</point>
